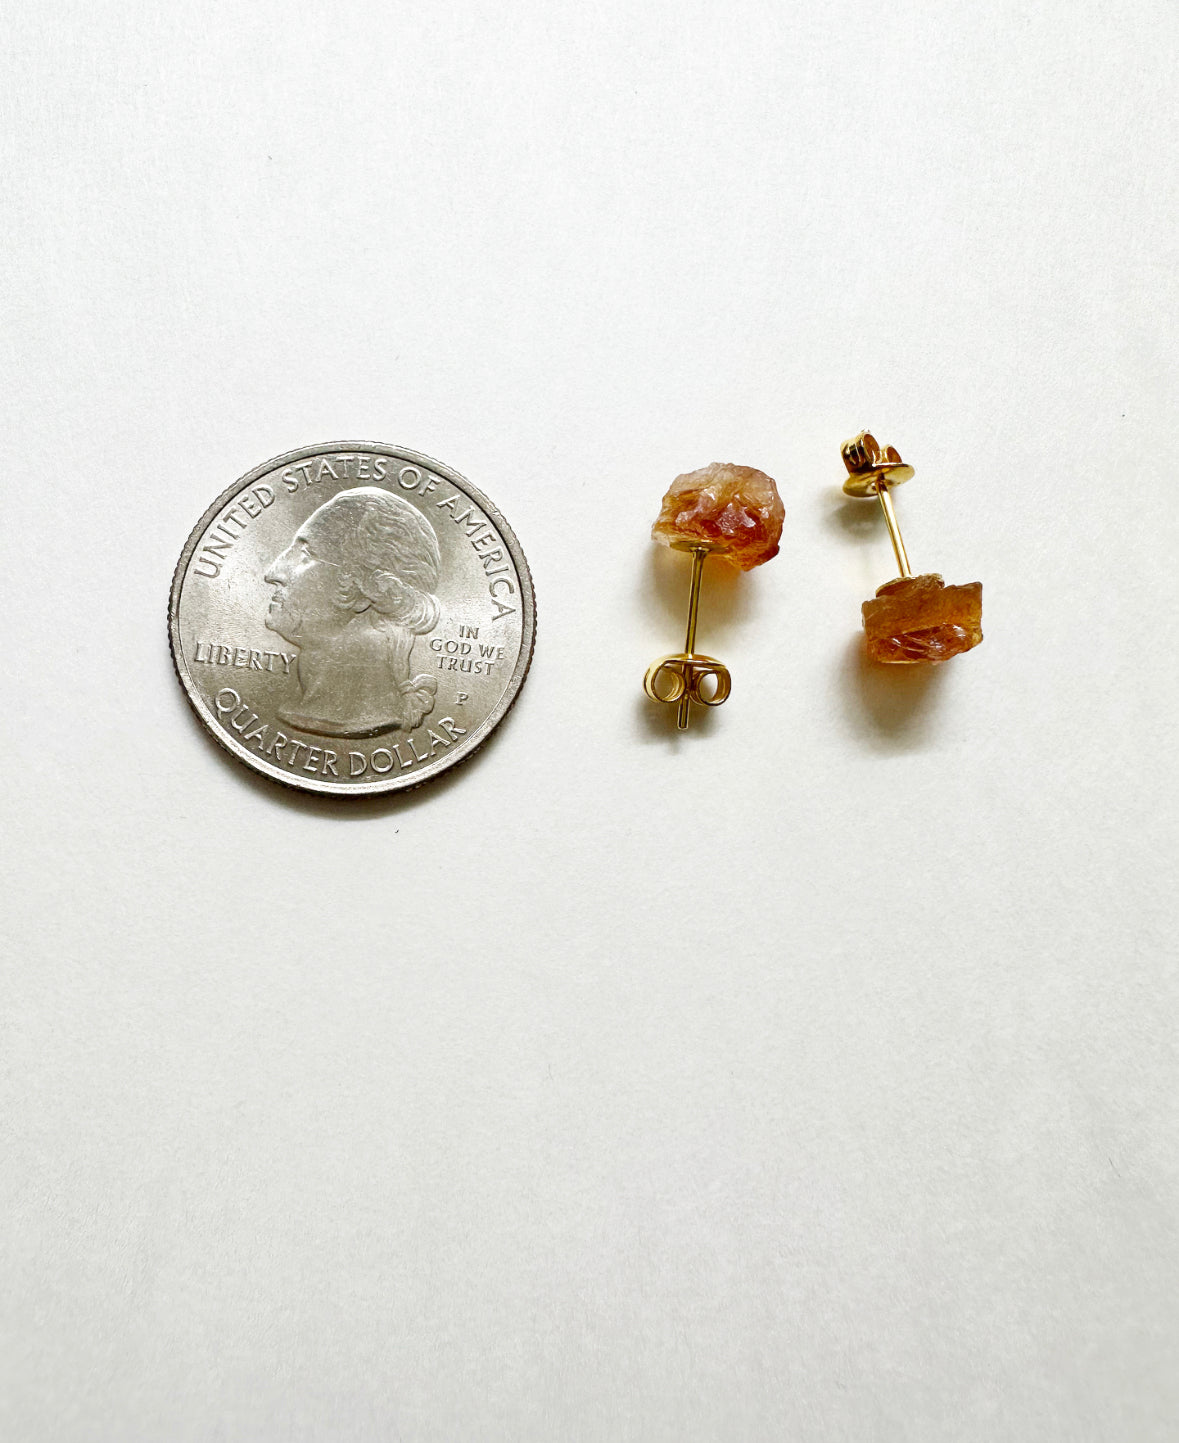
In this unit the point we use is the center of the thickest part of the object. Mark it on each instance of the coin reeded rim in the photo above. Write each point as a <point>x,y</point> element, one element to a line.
<point>481,733</point>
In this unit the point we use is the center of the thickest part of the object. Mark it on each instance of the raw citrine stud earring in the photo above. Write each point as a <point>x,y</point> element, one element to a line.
<point>720,510</point>
<point>913,618</point>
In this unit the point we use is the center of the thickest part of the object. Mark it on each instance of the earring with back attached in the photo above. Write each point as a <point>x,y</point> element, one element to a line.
<point>720,510</point>
<point>913,618</point>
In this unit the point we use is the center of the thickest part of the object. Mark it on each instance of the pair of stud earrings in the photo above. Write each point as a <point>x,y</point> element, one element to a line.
<point>736,512</point>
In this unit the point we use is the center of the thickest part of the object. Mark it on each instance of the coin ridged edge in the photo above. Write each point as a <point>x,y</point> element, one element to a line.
<point>489,723</point>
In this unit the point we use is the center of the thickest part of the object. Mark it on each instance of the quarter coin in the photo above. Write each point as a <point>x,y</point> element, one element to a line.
<point>352,618</point>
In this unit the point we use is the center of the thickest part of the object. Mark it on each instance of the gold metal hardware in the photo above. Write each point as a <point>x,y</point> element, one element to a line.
<point>684,675</point>
<point>873,471</point>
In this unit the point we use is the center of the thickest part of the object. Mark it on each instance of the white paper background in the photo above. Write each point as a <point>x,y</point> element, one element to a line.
<point>809,1077</point>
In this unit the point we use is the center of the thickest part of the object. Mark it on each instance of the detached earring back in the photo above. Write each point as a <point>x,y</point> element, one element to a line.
<point>912,618</point>
<point>720,510</point>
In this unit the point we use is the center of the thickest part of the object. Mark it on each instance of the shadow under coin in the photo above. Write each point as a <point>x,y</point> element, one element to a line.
<point>893,707</point>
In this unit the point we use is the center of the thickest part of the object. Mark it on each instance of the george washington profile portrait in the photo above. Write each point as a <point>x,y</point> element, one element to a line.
<point>353,591</point>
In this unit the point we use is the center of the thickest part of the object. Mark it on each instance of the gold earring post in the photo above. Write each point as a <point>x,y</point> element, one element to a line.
<point>698,555</point>
<point>684,674</point>
<point>894,530</point>
<point>873,470</point>
<point>911,618</point>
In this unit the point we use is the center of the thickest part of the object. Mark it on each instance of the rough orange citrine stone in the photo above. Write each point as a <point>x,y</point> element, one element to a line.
<point>733,510</point>
<point>920,618</point>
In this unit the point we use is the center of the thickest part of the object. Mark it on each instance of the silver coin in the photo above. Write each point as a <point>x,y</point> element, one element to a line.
<point>352,618</point>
